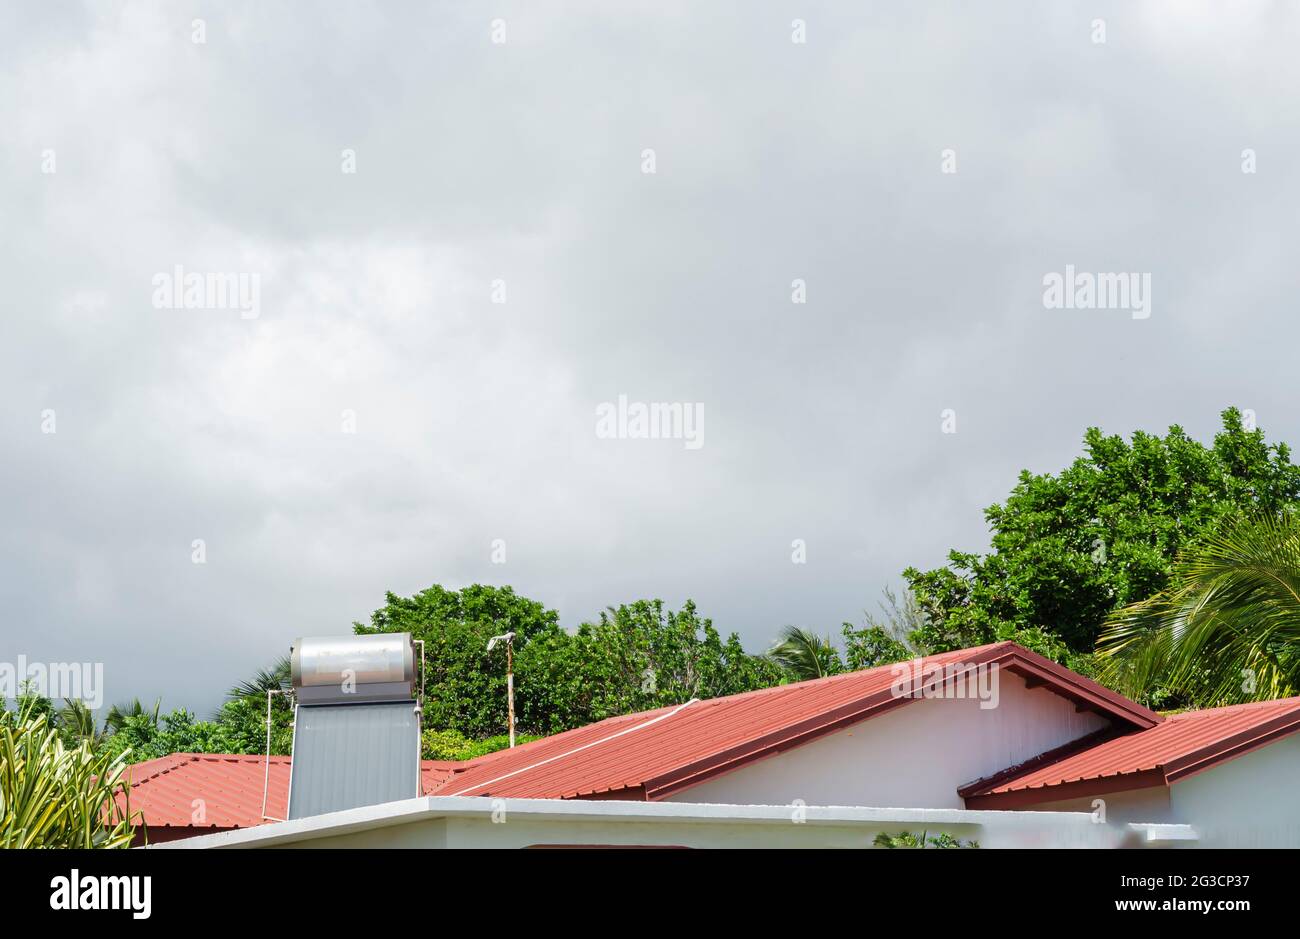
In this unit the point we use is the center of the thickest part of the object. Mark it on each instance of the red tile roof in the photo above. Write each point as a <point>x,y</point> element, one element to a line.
<point>1180,746</point>
<point>230,787</point>
<point>655,753</point>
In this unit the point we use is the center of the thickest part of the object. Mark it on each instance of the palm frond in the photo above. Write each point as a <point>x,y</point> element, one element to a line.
<point>804,654</point>
<point>117,715</point>
<point>78,720</point>
<point>1227,628</point>
<point>276,678</point>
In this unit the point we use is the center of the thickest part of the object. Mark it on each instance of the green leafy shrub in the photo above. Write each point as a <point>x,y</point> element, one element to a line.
<point>453,745</point>
<point>905,839</point>
<point>55,796</point>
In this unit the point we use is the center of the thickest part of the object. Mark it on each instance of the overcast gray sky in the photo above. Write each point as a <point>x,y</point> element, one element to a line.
<point>127,149</point>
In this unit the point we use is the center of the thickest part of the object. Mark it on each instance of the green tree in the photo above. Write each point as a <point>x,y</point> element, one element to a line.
<point>1067,549</point>
<point>466,684</point>
<point>872,646</point>
<point>1225,630</point>
<point>635,657</point>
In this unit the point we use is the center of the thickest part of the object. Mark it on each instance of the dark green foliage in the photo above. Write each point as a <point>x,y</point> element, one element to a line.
<point>872,646</point>
<point>243,725</point>
<point>1068,549</point>
<point>176,732</point>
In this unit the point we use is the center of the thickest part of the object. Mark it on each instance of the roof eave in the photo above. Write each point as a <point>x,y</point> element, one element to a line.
<point>1062,792</point>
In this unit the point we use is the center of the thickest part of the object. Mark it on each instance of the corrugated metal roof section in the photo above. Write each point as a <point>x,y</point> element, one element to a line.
<point>230,787</point>
<point>652,754</point>
<point>199,790</point>
<point>349,755</point>
<point>1180,746</point>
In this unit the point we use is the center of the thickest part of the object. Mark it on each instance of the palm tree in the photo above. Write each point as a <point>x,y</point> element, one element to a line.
<point>117,715</point>
<point>1226,630</point>
<point>77,721</point>
<point>804,654</point>
<point>276,678</point>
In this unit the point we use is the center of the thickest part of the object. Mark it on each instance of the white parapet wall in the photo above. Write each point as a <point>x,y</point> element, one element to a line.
<point>460,822</point>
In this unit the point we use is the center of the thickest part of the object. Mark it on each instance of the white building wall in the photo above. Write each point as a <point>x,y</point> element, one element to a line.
<point>1134,805</point>
<point>915,756</point>
<point>1250,802</point>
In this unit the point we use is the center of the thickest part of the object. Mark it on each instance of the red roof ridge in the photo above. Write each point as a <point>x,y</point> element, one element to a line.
<point>932,658</point>
<point>1226,708</point>
<point>160,766</point>
<point>156,767</point>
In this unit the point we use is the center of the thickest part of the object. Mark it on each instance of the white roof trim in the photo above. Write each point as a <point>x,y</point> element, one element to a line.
<point>574,810</point>
<point>1164,832</point>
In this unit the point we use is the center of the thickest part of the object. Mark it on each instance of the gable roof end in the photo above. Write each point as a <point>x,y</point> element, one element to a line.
<point>1179,747</point>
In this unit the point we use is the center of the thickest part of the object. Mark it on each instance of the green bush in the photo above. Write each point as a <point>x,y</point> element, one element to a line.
<point>905,839</point>
<point>53,796</point>
<point>453,745</point>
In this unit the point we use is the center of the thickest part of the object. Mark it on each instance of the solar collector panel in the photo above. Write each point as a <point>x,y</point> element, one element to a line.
<point>349,755</point>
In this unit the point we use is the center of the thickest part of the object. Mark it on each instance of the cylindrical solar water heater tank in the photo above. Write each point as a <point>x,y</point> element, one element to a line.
<point>353,669</point>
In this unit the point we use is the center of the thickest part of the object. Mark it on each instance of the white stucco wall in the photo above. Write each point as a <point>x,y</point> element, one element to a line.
<point>915,756</point>
<point>1136,805</point>
<point>1250,802</point>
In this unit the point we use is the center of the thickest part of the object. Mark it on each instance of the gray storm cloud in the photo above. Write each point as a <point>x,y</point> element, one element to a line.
<point>382,421</point>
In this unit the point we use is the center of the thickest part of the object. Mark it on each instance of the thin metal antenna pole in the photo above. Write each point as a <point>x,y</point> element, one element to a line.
<point>509,639</point>
<point>510,685</point>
